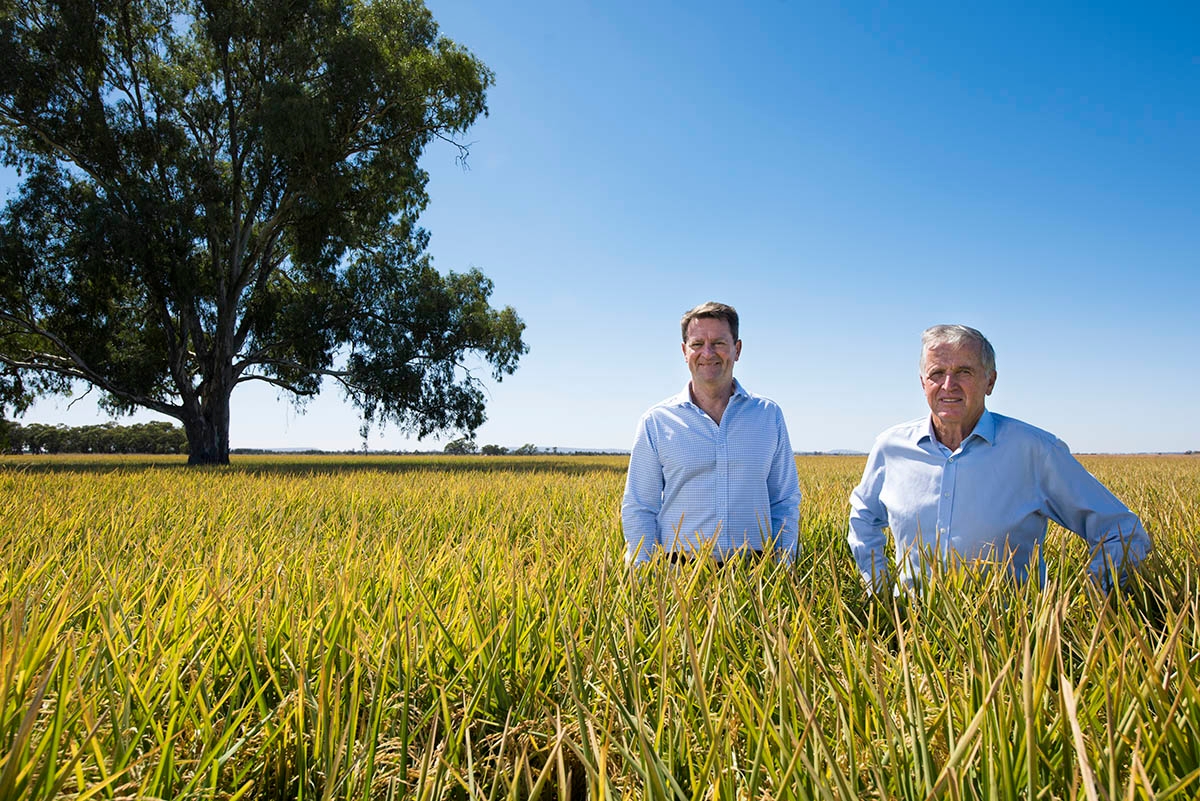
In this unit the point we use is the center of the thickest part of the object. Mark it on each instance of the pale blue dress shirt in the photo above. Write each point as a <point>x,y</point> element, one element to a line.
<point>692,481</point>
<point>988,501</point>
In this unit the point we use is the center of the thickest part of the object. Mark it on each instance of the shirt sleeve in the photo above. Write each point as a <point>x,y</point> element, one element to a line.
<point>643,498</point>
<point>1077,501</point>
<point>783,491</point>
<point>868,517</point>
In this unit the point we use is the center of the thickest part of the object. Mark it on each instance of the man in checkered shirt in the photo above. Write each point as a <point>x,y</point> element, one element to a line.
<point>711,467</point>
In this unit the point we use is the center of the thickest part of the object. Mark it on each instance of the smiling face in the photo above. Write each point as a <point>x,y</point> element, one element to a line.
<point>956,385</point>
<point>711,350</point>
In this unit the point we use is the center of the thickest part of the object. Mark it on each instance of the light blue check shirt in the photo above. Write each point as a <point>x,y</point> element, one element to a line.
<point>986,502</point>
<point>691,481</point>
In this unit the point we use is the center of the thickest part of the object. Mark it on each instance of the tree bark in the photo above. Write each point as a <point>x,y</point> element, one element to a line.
<point>208,431</point>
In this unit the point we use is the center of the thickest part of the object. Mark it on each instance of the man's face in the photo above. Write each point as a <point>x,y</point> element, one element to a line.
<point>710,351</point>
<point>956,383</point>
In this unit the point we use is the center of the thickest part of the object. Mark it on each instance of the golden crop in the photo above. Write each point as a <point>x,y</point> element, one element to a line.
<point>356,627</point>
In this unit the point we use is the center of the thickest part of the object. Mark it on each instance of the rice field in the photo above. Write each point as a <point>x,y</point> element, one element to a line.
<point>465,628</point>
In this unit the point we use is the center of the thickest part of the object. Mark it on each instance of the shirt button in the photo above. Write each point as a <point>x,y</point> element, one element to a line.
<point>947,495</point>
<point>951,459</point>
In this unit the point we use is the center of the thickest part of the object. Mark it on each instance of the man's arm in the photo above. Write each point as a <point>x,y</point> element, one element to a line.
<point>643,497</point>
<point>868,517</point>
<point>1079,502</point>
<point>783,491</point>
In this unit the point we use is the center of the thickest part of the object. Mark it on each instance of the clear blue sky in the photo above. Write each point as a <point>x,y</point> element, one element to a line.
<point>845,175</point>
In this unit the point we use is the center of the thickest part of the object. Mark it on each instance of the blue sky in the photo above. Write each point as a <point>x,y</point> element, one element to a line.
<point>845,175</point>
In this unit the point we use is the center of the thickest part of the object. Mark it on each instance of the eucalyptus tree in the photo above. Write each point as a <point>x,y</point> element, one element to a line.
<point>215,192</point>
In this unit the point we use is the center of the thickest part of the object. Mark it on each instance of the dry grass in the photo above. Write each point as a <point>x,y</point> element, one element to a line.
<point>312,627</point>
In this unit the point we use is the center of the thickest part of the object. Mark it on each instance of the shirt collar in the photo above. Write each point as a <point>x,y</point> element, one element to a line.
<point>685,397</point>
<point>985,429</point>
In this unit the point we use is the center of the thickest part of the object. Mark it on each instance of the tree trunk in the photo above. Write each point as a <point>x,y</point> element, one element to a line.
<point>208,432</point>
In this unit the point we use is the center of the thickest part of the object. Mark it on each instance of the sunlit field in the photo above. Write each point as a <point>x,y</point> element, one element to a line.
<point>362,628</point>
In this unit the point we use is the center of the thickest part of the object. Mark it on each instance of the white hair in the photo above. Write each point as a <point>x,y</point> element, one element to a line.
<point>958,335</point>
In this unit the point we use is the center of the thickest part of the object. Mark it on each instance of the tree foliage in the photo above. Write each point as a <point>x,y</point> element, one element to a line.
<point>461,446</point>
<point>226,191</point>
<point>153,437</point>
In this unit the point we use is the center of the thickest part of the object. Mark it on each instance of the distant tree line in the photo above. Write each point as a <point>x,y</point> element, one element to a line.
<point>156,437</point>
<point>465,445</point>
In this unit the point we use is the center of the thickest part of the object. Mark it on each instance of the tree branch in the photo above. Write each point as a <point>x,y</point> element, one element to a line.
<point>246,363</point>
<point>278,383</point>
<point>67,371</point>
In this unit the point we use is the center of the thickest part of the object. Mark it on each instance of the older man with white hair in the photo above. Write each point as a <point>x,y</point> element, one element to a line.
<point>967,486</point>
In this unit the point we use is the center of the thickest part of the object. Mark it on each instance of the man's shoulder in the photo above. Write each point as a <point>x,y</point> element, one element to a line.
<point>756,400</point>
<point>1019,432</point>
<point>674,402</point>
<point>908,431</point>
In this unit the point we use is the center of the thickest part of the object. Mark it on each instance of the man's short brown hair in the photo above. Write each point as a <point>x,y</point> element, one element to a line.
<point>711,310</point>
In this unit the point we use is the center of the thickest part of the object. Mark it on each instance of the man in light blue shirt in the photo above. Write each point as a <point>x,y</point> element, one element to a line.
<point>713,465</point>
<point>967,486</point>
